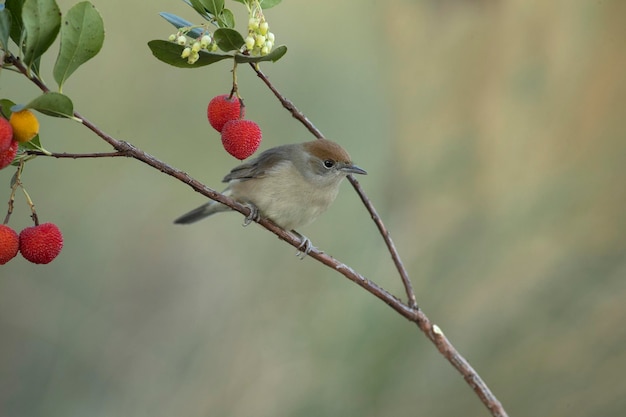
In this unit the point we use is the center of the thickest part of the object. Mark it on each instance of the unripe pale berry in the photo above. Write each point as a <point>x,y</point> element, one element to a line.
<point>241,138</point>
<point>260,40</point>
<point>186,52</point>
<point>41,244</point>
<point>249,43</point>
<point>222,109</point>
<point>9,244</point>
<point>263,27</point>
<point>6,134</point>
<point>25,125</point>
<point>253,23</point>
<point>205,41</point>
<point>181,40</point>
<point>8,155</point>
<point>195,56</point>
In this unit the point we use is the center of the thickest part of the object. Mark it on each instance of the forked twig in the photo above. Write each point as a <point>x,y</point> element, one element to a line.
<point>410,311</point>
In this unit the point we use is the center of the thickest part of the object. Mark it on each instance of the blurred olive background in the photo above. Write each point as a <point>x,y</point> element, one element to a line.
<point>494,137</point>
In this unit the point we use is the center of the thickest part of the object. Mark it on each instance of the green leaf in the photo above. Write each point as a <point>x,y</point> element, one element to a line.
<point>179,22</point>
<point>198,7</point>
<point>266,4</point>
<point>273,56</point>
<point>169,53</point>
<point>17,27</point>
<point>82,36</point>
<point>36,66</point>
<point>5,107</point>
<point>53,104</point>
<point>228,39</point>
<point>42,20</point>
<point>34,144</point>
<point>226,19</point>
<point>5,27</point>
<point>214,7</point>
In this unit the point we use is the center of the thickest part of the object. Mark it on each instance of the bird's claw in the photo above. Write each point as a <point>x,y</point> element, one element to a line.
<point>253,216</point>
<point>305,247</point>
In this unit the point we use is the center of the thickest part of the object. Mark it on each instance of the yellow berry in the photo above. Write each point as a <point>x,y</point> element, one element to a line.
<point>25,125</point>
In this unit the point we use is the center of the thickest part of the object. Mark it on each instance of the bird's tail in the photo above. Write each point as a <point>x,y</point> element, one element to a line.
<point>201,212</point>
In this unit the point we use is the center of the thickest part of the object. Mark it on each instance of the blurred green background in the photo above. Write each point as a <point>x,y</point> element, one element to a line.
<point>494,137</point>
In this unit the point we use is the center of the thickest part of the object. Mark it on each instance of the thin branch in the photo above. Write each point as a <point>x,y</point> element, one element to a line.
<point>76,155</point>
<point>408,311</point>
<point>291,108</point>
<point>395,256</point>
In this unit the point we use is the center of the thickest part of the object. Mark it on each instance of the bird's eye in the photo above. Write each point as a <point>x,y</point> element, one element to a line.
<point>329,163</point>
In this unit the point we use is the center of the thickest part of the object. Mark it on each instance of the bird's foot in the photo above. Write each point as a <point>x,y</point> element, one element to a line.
<point>305,246</point>
<point>254,215</point>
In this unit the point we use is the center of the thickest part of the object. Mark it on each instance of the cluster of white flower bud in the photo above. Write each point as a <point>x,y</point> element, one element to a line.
<point>194,46</point>
<point>260,40</point>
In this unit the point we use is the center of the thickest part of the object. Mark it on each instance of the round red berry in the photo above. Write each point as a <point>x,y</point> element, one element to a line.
<point>241,138</point>
<point>41,244</point>
<point>222,109</point>
<point>9,244</point>
<point>7,155</point>
<point>6,134</point>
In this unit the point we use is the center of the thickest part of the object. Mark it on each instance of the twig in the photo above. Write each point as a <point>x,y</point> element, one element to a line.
<point>409,311</point>
<point>291,108</point>
<point>297,114</point>
<point>388,241</point>
<point>76,155</point>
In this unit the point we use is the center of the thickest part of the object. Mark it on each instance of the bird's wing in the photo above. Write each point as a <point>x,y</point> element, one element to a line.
<point>260,166</point>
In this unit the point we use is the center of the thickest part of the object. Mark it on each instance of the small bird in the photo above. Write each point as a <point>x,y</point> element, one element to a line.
<point>290,184</point>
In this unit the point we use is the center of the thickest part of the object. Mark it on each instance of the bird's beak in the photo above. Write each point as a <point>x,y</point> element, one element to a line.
<point>353,169</point>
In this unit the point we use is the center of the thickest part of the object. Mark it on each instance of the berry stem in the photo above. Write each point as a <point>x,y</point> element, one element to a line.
<point>10,209</point>
<point>30,203</point>
<point>15,182</point>
<point>235,91</point>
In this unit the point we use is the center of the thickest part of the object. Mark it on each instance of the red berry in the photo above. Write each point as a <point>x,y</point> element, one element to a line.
<point>221,109</point>
<point>241,138</point>
<point>41,244</point>
<point>9,243</point>
<point>7,155</point>
<point>6,134</point>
